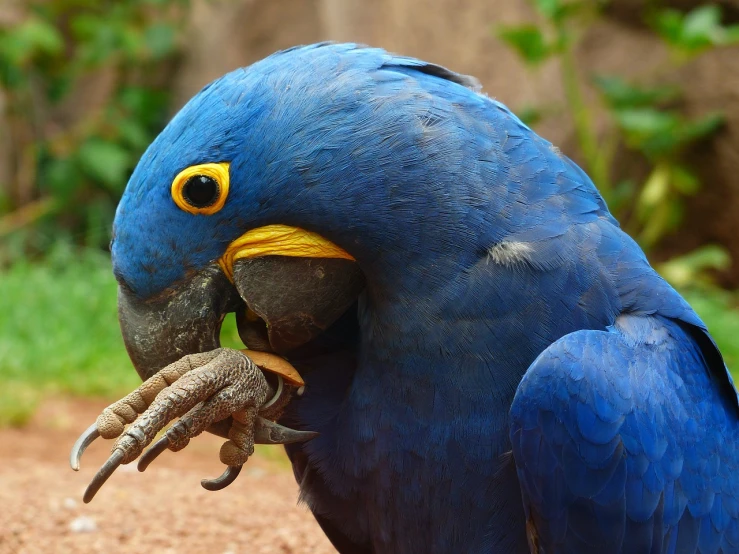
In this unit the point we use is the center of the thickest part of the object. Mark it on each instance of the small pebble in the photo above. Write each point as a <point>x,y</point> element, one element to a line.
<point>69,503</point>
<point>83,524</point>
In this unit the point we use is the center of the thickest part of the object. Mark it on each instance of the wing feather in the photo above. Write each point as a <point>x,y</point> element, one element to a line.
<point>624,442</point>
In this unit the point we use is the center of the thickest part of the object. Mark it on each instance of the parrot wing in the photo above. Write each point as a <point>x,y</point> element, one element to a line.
<point>625,440</point>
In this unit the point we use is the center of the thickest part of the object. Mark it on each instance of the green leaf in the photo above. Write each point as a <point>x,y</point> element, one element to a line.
<point>98,38</point>
<point>685,270</point>
<point>669,25</point>
<point>61,177</point>
<point>677,136</point>
<point>30,38</point>
<point>528,41</point>
<point>558,11</point>
<point>106,162</point>
<point>702,128</point>
<point>133,133</point>
<point>145,105</point>
<point>656,223</point>
<point>684,180</point>
<point>548,8</point>
<point>131,43</point>
<point>655,189</point>
<point>160,40</point>
<point>702,25</point>
<point>619,93</point>
<point>84,26</point>
<point>59,87</point>
<point>645,122</point>
<point>695,31</point>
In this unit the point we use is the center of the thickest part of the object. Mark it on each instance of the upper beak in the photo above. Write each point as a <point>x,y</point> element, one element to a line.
<point>184,320</point>
<point>291,300</point>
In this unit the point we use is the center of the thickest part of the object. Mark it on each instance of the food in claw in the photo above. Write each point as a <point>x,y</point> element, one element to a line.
<point>490,361</point>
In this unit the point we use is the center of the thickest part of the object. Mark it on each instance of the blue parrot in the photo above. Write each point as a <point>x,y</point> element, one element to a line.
<point>489,361</point>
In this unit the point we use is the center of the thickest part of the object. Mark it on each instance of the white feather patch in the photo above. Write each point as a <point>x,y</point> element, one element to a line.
<point>510,253</point>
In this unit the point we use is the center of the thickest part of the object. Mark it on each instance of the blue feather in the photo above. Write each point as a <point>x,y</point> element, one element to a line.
<point>672,498</point>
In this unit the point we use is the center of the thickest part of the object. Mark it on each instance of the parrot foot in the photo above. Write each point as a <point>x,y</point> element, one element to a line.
<point>200,389</point>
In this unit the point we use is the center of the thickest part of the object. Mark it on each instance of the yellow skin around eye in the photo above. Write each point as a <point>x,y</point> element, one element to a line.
<point>217,171</point>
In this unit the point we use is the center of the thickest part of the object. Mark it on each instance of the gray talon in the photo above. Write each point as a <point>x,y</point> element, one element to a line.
<point>153,453</point>
<point>220,483</point>
<point>81,444</point>
<point>102,475</point>
<point>269,432</point>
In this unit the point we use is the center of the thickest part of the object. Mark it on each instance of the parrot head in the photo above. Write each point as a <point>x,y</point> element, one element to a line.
<point>224,213</point>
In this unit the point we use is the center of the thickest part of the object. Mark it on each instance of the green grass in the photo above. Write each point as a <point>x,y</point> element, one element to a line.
<point>59,332</point>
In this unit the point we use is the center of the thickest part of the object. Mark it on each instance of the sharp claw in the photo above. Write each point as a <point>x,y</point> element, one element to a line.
<point>102,475</point>
<point>220,483</point>
<point>153,453</point>
<point>81,444</point>
<point>277,395</point>
<point>269,432</point>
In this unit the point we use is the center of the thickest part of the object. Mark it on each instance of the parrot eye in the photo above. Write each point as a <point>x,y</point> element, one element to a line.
<point>201,189</point>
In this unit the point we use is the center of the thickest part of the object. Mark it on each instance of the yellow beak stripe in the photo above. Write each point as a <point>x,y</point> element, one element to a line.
<point>279,240</point>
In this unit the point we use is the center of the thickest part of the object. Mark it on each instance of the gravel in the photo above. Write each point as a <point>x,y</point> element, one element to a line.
<point>161,511</point>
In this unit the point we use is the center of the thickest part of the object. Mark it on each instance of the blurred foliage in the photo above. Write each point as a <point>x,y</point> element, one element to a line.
<point>691,275</point>
<point>646,119</point>
<point>70,162</point>
<point>719,310</point>
<point>692,33</point>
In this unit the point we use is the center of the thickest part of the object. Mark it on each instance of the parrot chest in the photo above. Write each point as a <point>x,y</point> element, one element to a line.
<point>419,467</point>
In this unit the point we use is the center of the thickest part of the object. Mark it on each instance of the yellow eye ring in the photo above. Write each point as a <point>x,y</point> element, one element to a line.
<point>202,188</point>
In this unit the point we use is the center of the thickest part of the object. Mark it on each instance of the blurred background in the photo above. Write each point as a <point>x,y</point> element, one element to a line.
<point>643,94</point>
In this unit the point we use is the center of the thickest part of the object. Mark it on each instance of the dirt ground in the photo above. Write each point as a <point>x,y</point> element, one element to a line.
<point>161,511</point>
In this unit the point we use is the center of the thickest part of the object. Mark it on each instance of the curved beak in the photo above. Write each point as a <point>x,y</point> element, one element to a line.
<point>184,320</point>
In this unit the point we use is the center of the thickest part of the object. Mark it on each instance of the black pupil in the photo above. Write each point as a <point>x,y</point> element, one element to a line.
<point>200,191</point>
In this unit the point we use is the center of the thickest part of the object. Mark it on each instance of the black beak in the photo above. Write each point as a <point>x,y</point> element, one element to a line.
<point>295,299</point>
<point>291,301</point>
<point>184,320</point>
